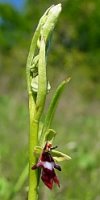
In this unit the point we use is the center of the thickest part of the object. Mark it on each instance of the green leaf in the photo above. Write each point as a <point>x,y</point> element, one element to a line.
<point>19,184</point>
<point>50,134</point>
<point>59,156</point>
<point>52,108</point>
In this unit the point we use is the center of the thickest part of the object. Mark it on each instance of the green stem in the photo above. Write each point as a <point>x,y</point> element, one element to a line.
<point>33,141</point>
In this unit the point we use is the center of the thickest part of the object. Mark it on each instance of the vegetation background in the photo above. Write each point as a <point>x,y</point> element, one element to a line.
<point>75,52</point>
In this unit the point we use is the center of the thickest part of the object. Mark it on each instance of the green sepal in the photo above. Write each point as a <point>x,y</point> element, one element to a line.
<point>50,134</point>
<point>59,156</point>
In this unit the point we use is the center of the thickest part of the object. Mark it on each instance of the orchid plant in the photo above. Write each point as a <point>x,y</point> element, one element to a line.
<point>41,152</point>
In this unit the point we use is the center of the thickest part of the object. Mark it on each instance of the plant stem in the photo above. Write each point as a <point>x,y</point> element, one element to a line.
<point>33,141</point>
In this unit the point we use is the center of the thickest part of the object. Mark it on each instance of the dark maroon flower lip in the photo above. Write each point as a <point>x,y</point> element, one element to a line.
<point>47,165</point>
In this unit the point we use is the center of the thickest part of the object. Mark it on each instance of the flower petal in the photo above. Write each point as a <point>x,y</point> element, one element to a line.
<point>56,180</point>
<point>59,156</point>
<point>48,177</point>
<point>56,166</point>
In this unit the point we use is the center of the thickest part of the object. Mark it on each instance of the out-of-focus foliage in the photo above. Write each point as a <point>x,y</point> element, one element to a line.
<point>75,52</point>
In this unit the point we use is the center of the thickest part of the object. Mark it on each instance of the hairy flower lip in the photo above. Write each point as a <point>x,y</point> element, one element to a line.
<point>48,178</point>
<point>47,165</point>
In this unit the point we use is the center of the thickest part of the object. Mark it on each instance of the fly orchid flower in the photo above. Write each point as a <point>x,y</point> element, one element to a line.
<point>47,164</point>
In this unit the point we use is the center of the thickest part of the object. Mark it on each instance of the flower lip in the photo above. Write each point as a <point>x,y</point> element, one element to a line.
<point>47,165</point>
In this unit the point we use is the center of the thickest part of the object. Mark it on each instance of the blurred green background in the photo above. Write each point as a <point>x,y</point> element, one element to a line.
<point>75,52</point>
